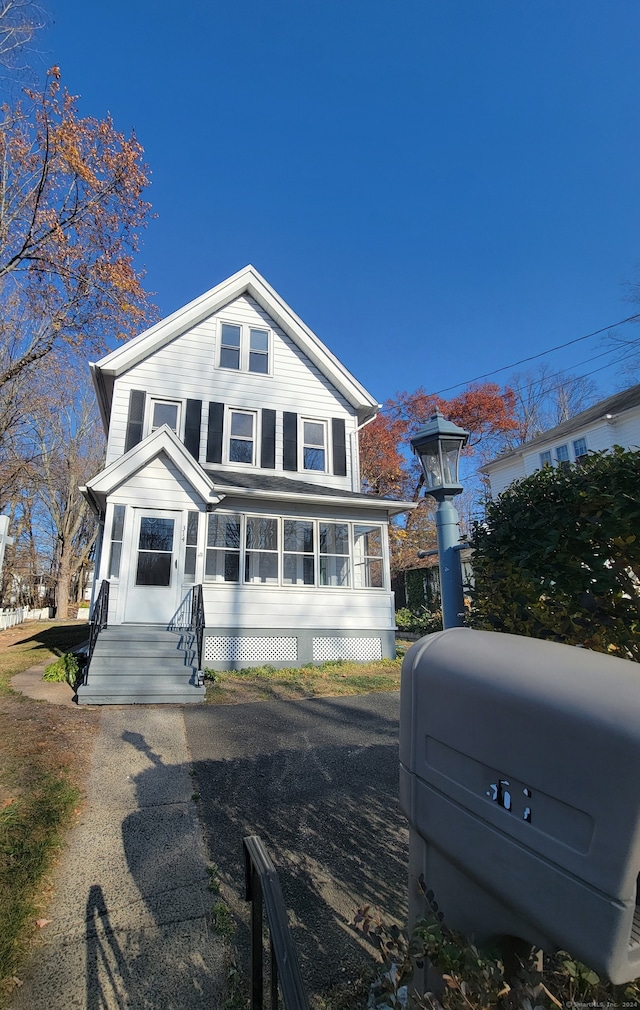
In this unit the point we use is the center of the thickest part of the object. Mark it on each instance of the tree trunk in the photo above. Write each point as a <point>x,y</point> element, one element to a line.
<point>63,582</point>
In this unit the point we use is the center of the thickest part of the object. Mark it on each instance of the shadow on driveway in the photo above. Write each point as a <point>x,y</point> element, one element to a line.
<point>318,781</point>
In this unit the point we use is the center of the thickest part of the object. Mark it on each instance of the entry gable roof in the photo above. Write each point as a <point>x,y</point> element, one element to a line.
<point>163,440</point>
<point>246,281</point>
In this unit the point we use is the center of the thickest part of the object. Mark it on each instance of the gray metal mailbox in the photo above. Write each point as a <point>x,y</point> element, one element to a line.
<point>520,777</point>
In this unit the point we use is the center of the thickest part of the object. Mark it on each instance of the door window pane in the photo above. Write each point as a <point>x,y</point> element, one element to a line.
<point>155,546</point>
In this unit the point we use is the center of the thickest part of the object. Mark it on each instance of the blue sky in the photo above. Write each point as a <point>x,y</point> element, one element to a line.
<point>437,187</point>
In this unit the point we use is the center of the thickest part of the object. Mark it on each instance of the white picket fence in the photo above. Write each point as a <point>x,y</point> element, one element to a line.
<point>9,618</point>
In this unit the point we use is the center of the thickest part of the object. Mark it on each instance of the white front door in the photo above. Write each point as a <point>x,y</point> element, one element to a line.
<point>152,595</point>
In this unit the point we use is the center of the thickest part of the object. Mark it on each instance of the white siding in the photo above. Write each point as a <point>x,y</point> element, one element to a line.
<point>185,369</point>
<point>158,485</point>
<point>501,478</point>
<point>237,606</point>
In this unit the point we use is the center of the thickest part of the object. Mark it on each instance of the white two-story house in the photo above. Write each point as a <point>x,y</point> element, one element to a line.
<point>232,485</point>
<point>613,421</point>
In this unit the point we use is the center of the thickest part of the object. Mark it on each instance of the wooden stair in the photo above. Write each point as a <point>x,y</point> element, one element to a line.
<point>142,664</point>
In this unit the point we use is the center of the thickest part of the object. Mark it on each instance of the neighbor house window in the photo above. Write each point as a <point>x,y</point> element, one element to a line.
<point>562,454</point>
<point>580,447</point>
<point>314,445</point>
<point>261,558</point>
<point>367,557</point>
<point>117,530</point>
<point>545,458</point>
<point>191,547</point>
<point>223,548</point>
<point>334,554</point>
<point>244,348</point>
<point>298,568</point>
<point>165,412</point>
<point>242,436</point>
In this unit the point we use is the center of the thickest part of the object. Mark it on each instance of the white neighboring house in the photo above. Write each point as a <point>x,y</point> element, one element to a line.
<point>613,421</point>
<point>232,464</point>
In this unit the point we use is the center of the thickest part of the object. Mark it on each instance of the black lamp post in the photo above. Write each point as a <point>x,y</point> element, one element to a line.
<point>438,446</point>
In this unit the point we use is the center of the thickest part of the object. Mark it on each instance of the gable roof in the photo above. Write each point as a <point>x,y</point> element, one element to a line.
<point>246,281</point>
<point>162,440</point>
<point>603,410</point>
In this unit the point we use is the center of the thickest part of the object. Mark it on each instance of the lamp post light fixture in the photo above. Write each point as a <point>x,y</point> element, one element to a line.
<point>438,446</point>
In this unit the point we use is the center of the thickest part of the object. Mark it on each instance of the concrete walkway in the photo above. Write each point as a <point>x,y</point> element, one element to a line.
<point>131,916</point>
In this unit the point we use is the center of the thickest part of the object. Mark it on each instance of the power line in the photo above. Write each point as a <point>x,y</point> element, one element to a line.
<point>534,357</point>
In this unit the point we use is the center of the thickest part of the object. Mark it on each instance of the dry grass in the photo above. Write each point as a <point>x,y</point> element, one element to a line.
<point>44,755</point>
<point>325,680</point>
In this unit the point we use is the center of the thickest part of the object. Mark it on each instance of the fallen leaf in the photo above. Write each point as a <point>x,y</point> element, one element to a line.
<point>7,803</point>
<point>40,923</point>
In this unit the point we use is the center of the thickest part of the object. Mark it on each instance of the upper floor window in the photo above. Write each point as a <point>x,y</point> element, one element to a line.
<point>165,412</point>
<point>562,454</point>
<point>580,447</point>
<point>545,458</point>
<point>314,445</point>
<point>242,436</point>
<point>244,348</point>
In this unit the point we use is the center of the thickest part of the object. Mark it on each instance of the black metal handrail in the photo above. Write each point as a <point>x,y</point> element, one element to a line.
<point>197,621</point>
<point>98,618</point>
<point>263,887</point>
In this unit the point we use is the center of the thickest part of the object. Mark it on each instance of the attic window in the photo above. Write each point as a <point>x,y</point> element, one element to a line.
<point>165,412</point>
<point>244,348</point>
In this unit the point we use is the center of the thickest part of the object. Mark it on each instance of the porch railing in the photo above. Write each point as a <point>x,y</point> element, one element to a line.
<point>263,888</point>
<point>197,622</point>
<point>98,618</point>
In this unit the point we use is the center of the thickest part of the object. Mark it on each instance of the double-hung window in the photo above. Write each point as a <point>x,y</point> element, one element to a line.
<point>165,412</point>
<point>242,436</point>
<point>244,348</point>
<point>298,562</point>
<point>223,547</point>
<point>261,556</point>
<point>367,557</point>
<point>545,458</point>
<point>562,455</point>
<point>314,445</point>
<point>334,554</point>
<point>580,448</point>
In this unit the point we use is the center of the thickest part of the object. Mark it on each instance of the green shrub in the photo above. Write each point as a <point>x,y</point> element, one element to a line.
<point>558,556</point>
<point>418,622</point>
<point>65,668</point>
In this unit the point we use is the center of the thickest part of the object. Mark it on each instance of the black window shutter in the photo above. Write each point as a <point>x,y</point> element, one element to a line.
<point>268,449</point>
<point>290,441</point>
<point>192,423</point>
<point>135,418</point>
<point>214,433</point>
<point>339,447</point>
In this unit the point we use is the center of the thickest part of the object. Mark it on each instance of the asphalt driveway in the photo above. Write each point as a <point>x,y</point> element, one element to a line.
<point>318,781</point>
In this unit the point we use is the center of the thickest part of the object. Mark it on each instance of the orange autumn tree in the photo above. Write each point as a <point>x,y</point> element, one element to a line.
<point>389,468</point>
<point>71,213</point>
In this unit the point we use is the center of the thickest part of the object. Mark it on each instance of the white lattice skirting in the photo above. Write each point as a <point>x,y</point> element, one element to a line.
<point>233,648</point>
<point>357,650</point>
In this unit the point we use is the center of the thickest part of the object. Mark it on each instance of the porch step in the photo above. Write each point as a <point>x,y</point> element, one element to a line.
<point>142,665</point>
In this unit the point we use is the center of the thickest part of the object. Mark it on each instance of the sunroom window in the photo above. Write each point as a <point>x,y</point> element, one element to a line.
<point>261,559</point>
<point>223,548</point>
<point>367,557</point>
<point>298,558</point>
<point>334,554</point>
